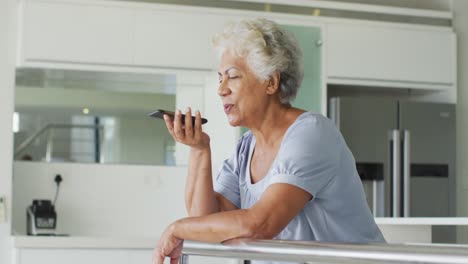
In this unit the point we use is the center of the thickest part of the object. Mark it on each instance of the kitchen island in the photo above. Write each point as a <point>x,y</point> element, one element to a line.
<point>415,229</point>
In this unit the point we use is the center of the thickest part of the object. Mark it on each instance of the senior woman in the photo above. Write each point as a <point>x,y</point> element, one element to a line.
<point>291,176</point>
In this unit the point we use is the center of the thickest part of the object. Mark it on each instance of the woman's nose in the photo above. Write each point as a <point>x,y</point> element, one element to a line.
<point>223,89</point>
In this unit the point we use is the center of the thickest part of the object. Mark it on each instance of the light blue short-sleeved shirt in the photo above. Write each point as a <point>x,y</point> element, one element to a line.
<point>313,156</point>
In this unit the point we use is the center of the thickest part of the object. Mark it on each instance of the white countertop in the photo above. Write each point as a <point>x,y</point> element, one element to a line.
<point>75,242</point>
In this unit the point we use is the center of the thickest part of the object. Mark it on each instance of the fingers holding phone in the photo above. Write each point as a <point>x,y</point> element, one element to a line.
<point>186,129</point>
<point>198,132</point>
<point>188,123</point>
<point>178,127</point>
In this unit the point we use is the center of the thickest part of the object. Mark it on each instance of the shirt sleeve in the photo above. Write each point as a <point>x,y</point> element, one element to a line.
<point>227,179</point>
<point>310,157</point>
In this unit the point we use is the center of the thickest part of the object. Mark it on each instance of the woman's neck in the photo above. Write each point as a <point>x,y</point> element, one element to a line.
<point>270,128</point>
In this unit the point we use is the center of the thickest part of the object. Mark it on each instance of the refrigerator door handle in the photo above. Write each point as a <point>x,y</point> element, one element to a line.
<point>406,173</point>
<point>396,173</point>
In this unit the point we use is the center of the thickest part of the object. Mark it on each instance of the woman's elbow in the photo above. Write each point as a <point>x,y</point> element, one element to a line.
<point>258,228</point>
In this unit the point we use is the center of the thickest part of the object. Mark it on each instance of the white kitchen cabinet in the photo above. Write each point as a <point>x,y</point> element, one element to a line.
<point>83,34</point>
<point>126,34</point>
<point>390,55</point>
<point>67,32</point>
<point>176,39</point>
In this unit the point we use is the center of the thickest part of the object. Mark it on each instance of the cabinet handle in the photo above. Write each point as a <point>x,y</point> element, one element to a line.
<point>395,173</point>
<point>406,173</point>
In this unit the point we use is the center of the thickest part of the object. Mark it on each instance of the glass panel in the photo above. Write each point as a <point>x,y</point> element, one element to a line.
<point>309,95</point>
<point>84,116</point>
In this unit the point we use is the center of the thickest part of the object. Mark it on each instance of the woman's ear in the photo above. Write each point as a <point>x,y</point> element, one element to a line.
<point>273,83</point>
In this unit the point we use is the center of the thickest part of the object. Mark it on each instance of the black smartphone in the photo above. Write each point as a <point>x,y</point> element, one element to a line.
<point>160,114</point>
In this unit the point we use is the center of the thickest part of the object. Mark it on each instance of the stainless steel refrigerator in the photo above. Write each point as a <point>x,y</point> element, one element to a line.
<point>405,154</point>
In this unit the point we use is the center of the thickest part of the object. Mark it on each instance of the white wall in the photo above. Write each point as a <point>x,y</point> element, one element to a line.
<point>7,57</point>
<point>102,200</point>
<point>460,9</point>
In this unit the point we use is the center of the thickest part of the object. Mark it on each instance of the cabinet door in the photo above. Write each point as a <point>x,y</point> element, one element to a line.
<point>76,33</point>
<point>370,52</point>
<point>309,96</point>
<point>73,256</point>
<point>176,39</point>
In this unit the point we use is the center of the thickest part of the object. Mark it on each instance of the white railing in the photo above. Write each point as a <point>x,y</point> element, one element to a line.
<point>318,252</point>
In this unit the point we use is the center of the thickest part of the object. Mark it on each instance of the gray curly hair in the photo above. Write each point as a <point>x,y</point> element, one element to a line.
<point>267,48</point>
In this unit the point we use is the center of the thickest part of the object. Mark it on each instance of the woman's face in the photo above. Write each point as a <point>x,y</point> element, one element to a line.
<point>244,96</point>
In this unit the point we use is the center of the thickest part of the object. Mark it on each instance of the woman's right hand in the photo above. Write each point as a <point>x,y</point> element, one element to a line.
<point>192,136</point>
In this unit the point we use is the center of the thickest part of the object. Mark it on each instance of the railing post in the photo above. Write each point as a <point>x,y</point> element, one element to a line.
<point>183,259</point>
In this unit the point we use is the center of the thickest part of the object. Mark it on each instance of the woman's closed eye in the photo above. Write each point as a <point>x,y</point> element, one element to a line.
<point>229,78</point>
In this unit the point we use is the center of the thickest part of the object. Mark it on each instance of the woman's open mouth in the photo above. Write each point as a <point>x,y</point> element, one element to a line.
<point>227,108</point>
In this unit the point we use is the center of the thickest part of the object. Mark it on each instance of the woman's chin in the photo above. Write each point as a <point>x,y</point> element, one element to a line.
<point>234,122</point>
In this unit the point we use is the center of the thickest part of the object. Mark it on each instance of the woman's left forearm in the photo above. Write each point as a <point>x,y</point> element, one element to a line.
<point>216,227</point>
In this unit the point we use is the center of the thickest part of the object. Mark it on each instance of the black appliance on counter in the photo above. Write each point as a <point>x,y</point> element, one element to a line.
<point>41,218</point>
